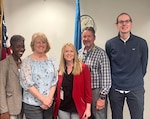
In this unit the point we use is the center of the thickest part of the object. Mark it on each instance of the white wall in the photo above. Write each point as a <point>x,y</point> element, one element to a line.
<point>56,19</point>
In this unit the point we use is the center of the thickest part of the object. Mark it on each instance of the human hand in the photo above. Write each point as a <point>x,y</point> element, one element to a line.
<point>4,115</point>
<point>100,104</point>
<point>45,107</point>
<point>47,101</point>
<point>86,114</point>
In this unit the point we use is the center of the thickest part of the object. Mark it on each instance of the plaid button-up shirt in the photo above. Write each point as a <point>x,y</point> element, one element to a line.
<point>98,63</point>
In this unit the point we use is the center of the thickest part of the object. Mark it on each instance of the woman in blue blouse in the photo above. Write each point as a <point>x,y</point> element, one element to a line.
<point>38,77</point>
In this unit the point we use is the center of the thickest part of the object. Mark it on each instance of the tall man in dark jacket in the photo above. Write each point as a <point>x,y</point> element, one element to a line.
<point>128,56</point>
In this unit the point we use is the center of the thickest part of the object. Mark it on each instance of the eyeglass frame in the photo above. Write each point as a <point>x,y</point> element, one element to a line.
<point>122,22</point>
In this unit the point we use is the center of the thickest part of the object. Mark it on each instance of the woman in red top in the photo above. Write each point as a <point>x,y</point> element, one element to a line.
<point>74,93</point>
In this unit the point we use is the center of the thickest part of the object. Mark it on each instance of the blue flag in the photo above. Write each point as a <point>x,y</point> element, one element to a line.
<point>77,31</point>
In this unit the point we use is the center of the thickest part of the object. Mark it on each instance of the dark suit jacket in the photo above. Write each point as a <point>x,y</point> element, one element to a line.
<point>10,89</point>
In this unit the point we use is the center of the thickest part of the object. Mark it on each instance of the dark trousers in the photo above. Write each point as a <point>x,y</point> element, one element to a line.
<point>36,112</point>
<point>135,102</point>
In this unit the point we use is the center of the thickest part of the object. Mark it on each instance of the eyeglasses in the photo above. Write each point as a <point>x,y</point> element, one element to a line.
<point>121,22</point>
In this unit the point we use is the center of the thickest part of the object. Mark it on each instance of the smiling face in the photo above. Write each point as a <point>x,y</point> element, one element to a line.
<point>17,46</point>
<point>68,53</point>
<point>124,24</point>
<point>18,49</point>
<point>88,39</point>
<point>39,45</point>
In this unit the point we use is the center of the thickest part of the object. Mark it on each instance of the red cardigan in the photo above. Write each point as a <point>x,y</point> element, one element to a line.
<point>82,92</point>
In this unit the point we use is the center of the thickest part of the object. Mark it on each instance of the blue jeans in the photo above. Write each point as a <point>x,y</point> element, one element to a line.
<point>36,112</point>
<point>135,102</point>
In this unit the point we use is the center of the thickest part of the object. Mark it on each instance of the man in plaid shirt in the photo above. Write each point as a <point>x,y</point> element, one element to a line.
<point>98,62</point>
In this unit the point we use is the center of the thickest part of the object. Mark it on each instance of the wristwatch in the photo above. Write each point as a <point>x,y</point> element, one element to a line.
<point>103,97</point>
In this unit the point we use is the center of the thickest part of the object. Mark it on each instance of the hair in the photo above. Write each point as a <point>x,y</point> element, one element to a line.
<point>77,67</point>
<point>16,38</point>
<point>123,14</point>
<point>43,37</point>
<point>89,29</point>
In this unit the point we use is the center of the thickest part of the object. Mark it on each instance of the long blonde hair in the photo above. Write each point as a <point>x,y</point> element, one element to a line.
<point>76,62</point>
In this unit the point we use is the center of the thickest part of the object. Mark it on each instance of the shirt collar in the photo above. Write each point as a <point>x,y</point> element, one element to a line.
<point>125,40</point>
<point>91,49</point>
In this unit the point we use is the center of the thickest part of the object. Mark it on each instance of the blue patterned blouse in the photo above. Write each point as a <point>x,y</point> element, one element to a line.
<point>40,74</point>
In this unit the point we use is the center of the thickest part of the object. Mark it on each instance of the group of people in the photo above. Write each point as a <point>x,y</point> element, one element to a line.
<point>85,79</point>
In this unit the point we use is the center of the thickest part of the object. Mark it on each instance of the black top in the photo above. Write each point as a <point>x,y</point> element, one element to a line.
<point>67,103</point>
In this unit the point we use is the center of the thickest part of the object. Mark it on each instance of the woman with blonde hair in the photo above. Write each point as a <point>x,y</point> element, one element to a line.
<point>38,77</point>
<point>74,93</point>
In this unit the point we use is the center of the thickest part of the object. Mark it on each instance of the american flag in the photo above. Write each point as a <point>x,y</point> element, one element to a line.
<point>5,50</point>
